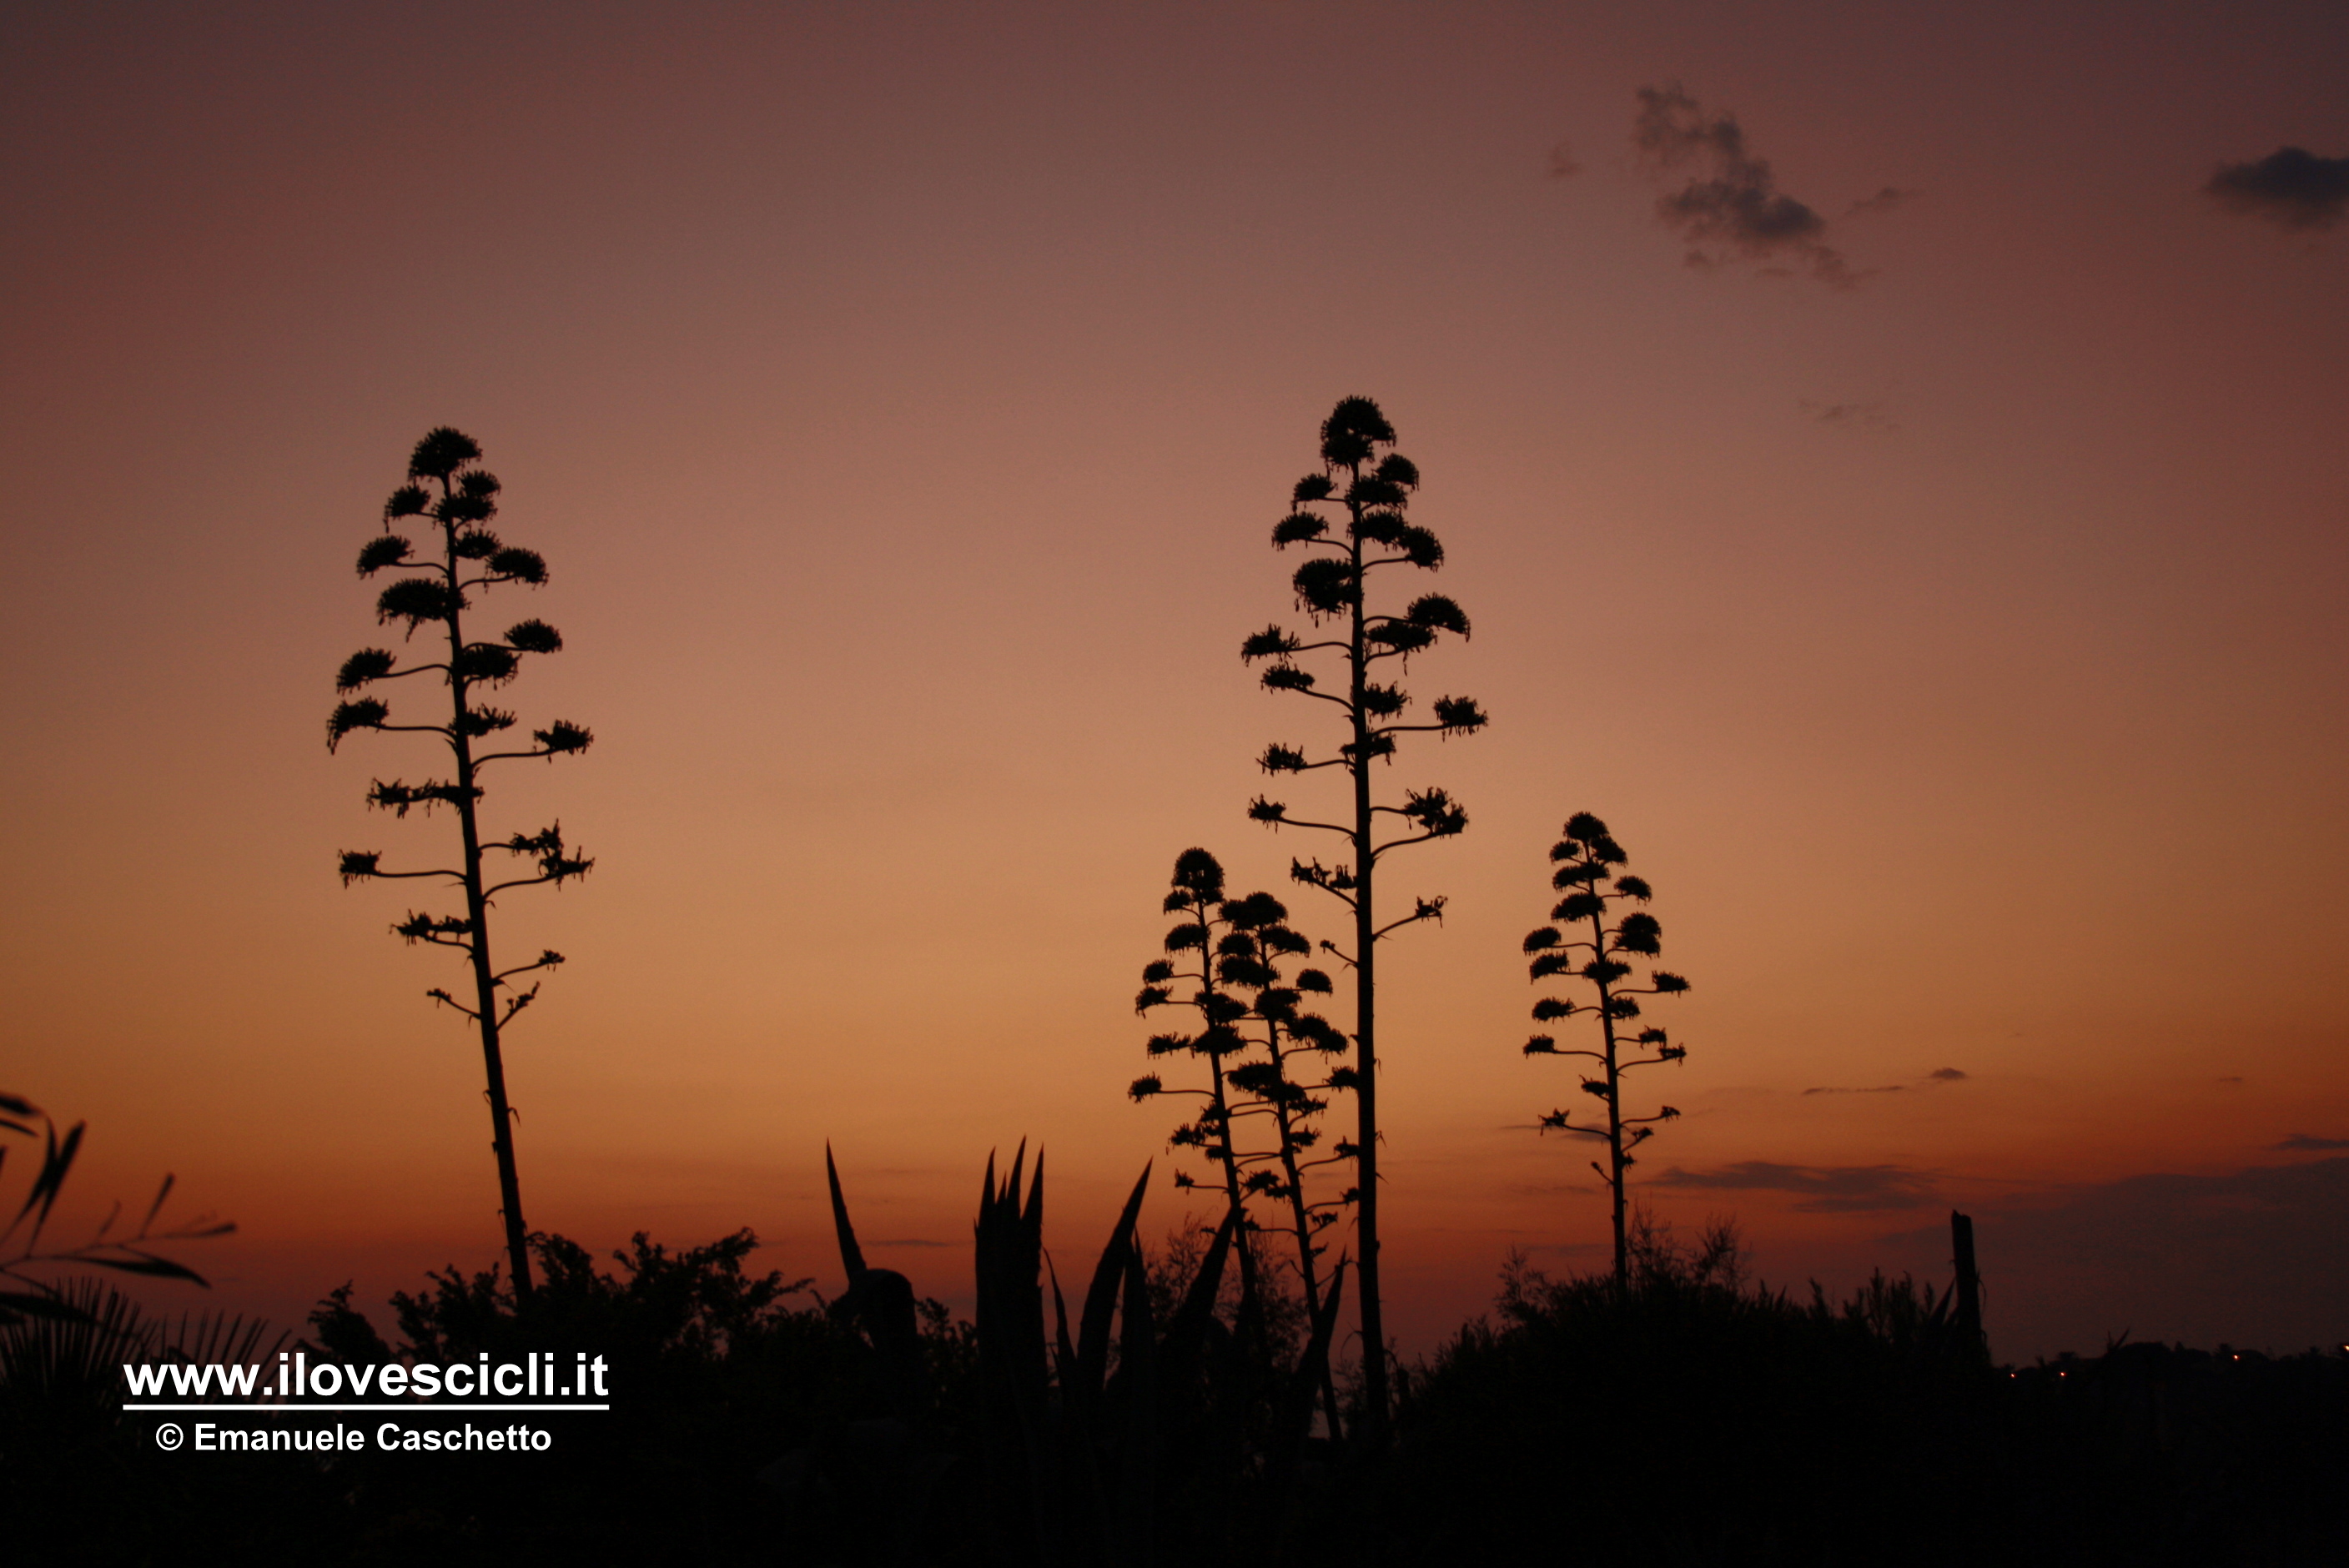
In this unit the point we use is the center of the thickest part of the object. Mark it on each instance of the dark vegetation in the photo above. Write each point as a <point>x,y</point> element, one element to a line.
<point>1681,1416</point>
<point>1149,1410</point>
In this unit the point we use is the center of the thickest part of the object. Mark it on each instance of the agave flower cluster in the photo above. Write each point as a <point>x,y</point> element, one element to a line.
<point>1269,1062</point>
<point>455,500</point>
<point>1586,859</point>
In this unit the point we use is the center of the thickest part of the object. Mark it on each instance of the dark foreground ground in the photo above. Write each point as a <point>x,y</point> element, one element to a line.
<point>1685,1420</point>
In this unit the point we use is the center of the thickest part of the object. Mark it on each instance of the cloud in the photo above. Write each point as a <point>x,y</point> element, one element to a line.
<point>2291,186</point>
<point>2305,1143</point>
<point>1563,164</point>
<point>1825,1189</point>
<point>1869,416</point>
<point>1939,1075</point>
<point>1884,201</point>
<point>1731,210</point>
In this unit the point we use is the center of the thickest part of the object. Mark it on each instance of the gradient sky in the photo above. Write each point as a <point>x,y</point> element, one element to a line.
<point>1942,603</point>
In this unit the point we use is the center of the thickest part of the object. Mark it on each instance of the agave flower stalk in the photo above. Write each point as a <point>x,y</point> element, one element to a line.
<point>1196,898</point>
<point>1585,859</point>
<point>1364,489</point>
<point>1249,957</point>
<point>454,501</point>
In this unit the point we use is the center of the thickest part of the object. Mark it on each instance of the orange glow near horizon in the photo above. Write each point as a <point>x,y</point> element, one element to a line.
<point>902,406</point>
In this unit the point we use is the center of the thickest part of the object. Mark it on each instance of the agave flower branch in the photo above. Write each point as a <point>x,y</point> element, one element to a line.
<point>1350,520</point>
<point>454,501</point>
<point>1587,858</point>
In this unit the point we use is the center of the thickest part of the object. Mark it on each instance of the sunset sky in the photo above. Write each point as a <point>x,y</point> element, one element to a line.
<point>1917,520</point>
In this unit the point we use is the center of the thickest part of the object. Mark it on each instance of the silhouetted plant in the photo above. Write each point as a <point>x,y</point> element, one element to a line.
<point>456,500</point>
<point>1242,943</point>
<point>1197,897</point>
<point>1587,857</point>
<point>24,1294</point>
<point>1368,486</point>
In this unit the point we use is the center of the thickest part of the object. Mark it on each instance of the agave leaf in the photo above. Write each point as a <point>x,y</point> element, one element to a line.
<point>851,1257</point>
<point>33,1303</point>
<point>1101,1299</point>
<point>1137,1374</point>
<point>1188,1329</point>
<point>148,1264</point>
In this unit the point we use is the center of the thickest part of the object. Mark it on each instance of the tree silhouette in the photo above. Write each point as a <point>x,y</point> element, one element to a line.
<point>1586,856</point>
<point>1367,486</point>
<point>447,492</point>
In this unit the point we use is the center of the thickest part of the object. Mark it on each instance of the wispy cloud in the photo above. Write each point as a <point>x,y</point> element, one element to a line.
<point>1824,1188</point>
<point>2301,1142</point>
<point>1731,209</point>
<point>1937,1076</point>
<point>1873,418</point>
<point>1563,164</point>
<point>2292,187</point>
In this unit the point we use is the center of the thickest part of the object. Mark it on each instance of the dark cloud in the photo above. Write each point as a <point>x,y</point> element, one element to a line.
<point>1731,210</point>
<point>2302,1142</point>
<point>1948,1075</point>
<point>1824,1188</point>
<point>1884,201</point>
<point>910,1241</point>
<point>1563,164</point>
<point>2291,186</point>
<point>1880,1089</point>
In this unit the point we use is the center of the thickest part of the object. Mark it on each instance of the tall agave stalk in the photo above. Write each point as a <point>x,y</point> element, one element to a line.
<point>1587,857</point>
<point>1187,976</point>
<point>455,501</point>
<point>1363,488</point>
